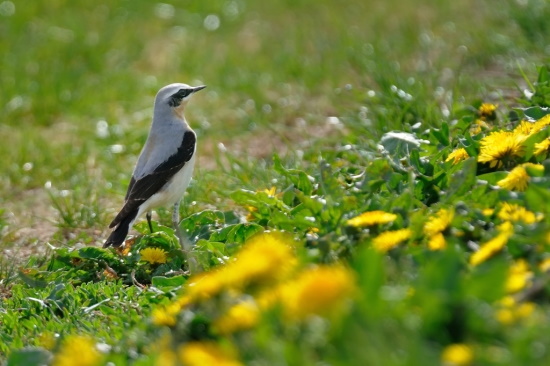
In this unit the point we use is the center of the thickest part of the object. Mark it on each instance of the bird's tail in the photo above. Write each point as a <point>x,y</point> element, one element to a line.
<point>119,234</point>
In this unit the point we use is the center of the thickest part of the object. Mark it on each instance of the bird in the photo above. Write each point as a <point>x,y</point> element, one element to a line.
<point>165,165</point>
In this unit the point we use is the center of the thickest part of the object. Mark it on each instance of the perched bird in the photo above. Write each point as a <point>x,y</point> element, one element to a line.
<point>165,165</point>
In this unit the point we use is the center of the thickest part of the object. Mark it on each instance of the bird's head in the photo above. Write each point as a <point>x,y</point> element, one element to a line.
<point>175,96</point>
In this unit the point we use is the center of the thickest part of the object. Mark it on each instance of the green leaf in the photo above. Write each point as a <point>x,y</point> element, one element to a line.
<point>463,181</point>
<point>30,356</point>
<point>201,224</point>
<point>95,253</point>
<point>493,177</point>
<point>442,135</point>
<point>536,113</point>
<point>300,179</point>
<point>28,276</point>
<point>236,233</point>
<point>163,282</point>
<point>537,198</point>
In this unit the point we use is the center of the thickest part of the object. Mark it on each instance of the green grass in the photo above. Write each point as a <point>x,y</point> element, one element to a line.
<point>300,94</point>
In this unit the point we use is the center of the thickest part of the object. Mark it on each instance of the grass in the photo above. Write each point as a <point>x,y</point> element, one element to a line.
<point>300,97</point>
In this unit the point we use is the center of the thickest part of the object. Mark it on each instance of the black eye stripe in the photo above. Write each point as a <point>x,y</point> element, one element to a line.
<point>182,93</point>
<point>176,98</point>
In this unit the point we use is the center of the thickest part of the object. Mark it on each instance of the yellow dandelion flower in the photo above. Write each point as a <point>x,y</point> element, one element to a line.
<point>457,354</point>
<point>501,147</point>
<point>371,218</point>
<point>488,211</point>
<point>540,124</point>
<point>457,156</point>
<point>490,248</point>
<point>153,255</point>
<point>390,239</point>
<point>505,316</point>
<point>478,126</point>
<point>506,227</point>
<point>160,316</point>
<point>207,353</point>
<point>523,128</point>
<point>167,314</point>
<point>487,110</point>
<point>323,290</point>
<point>537,168</point>
<point>439,222</point>
<point>271,191</point>
<point>518,178</point>
<point>544,266</point>
<point>437,242</point>
<point>265,258</point>
<point>78,351</point>
<point>519,276</point>
<point>475,128</point>
<point>206,285</point>
<point>242,316</point>
<point>517,213</point>
<point>525,309</point>
<point>542,147</point>
<point>509,311</point>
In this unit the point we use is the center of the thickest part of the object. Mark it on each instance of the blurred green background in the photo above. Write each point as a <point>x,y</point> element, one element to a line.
<point>78,80</point>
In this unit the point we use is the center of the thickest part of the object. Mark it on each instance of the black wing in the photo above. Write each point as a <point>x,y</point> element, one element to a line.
<point>142,189</point>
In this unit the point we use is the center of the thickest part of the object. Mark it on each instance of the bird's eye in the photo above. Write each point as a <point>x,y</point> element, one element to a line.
<point>182,93</point>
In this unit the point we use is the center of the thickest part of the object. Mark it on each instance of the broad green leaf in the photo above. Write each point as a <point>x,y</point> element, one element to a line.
<point>96,253</point>
<point>163,282</point>
<point>236,233</point>
<point>536,113</point>
<point>493,177</point>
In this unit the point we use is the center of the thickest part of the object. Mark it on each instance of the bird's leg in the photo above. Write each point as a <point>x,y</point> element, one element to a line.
<point>148,216</point>
<point>185,243</point>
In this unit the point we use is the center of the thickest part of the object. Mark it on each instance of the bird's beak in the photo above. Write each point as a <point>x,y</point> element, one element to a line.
<point>197,88</point>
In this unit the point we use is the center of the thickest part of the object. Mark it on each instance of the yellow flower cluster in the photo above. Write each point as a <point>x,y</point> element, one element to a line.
<point>266,266</point>
<point>510,311</point>
<point>435,226</point>
<point>504,148</point>
<point>519,276</point>
<point>493,246</point>
<point>264,259</point>
<point>517,213</point>
<point>322,290</point>
<point>371,218</point>
<point>78,351</point>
